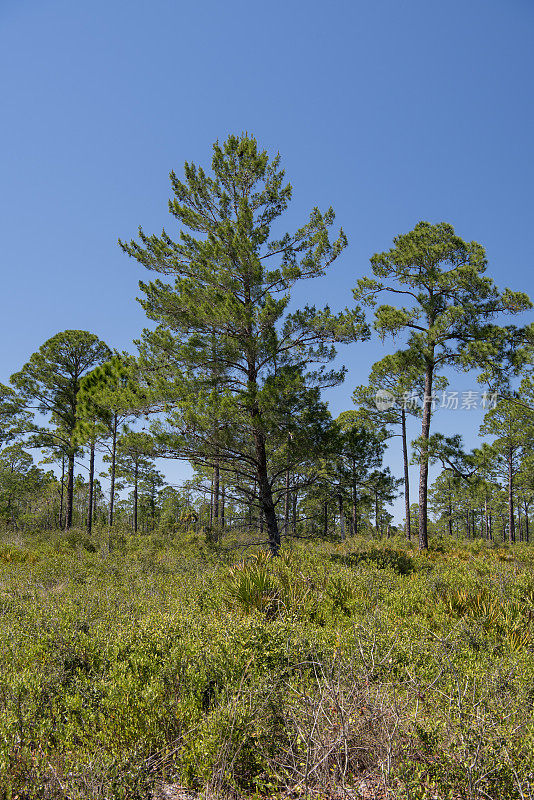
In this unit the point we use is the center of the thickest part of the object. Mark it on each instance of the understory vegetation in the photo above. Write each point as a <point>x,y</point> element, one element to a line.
<point>134,660</point>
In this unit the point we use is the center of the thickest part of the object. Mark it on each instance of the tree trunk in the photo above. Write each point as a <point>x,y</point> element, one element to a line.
<point>341,516</point>
<point>354,510</point>
<point>423,475</point>
<point>223,497</point>
<point>113,465</point>
<point>325,519</point>
<point>266,497</point>
<point>511,521</point>
<point>287,503</point>
<point>211,503</point>
<point>295,497</point>
<point>406,476</point>
<point>135,492</point>
<point>216,490</point>
<point>70,492</point>
<point>62,493</point>
<point>91,489</point>
<point>526,522</point>
<point>377,514</point>
<point>450,504</point>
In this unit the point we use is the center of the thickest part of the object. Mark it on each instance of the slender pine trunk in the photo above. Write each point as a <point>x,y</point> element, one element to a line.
<point>511,521</point>
<point>450,503</point>
<point>113,466</point>
<point>341,515</point>
<point>423,475</point>
<point>70,492</point>
<point>216,491</point>
<point>406,475</point>
<point>61,497</point>
<point>377,514</point>
<point>287,502</point>
<point>91,489</point>
<point>135,492</point>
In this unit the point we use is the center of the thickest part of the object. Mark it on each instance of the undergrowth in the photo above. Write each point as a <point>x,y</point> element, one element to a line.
<point>129,661</point>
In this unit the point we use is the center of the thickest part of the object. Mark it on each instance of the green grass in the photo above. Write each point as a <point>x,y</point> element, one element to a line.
<point>166,660</point>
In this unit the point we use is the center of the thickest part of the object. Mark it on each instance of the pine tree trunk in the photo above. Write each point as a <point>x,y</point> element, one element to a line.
<point>423,475</point>
<point>295,498</point>
<point>211,503</point>
<point>287,503</point>
<point>223,498</point>
<point>135,493</point>
<point>216,485</point>
<point>91,489</point>
<point>70,492</point>
<point>266,497</point>
<point>450,505</point>
<point>113,465</point>
<point>341,516</point>
<point>62,493</point>
<point>511,521</point>
<point>526,522</point>
<point>406,476</point>
<point>354,510</point>
<point>325,518</point>
<point>377,514</point>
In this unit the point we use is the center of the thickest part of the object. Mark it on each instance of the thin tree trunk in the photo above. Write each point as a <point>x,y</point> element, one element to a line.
<point>91,485</point>
<point>526,521</point>
<point>325,519</point>
<point>295,498</point>
<point>354,510</point>
<point>216,490</point>
<point>406,476</point>
<point>511,521</point>
<point>377,514</point>
<point>70,492</point>
<point>223,498</point>
<point>341,516</point>
<point>450,503</point>
<point>287,502</point>
<point>135,492</point>
<point>211,502</point>
<point>62,492</point>
<point>113,465</point>
<point>423,475</point>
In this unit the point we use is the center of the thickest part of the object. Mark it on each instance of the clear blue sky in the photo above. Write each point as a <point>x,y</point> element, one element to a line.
<point>391,111</point>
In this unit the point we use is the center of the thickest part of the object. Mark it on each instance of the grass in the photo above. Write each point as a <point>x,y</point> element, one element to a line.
<point>163,659</point>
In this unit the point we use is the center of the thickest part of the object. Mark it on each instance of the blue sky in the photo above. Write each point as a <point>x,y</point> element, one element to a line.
<point>391,111</point>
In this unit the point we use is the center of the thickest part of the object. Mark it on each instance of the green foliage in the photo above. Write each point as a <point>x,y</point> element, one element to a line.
<point>156,662</point>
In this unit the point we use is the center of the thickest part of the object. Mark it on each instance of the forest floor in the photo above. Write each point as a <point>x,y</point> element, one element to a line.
<point>360,669</point>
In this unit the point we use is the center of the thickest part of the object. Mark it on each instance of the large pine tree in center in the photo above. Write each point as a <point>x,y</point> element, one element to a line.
<point>223,332</point>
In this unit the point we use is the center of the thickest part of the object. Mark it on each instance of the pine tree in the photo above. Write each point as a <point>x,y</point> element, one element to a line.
<point>229,278</point>
<point>50,383</point>
<point>109,396</point>
<point>447,317</point>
